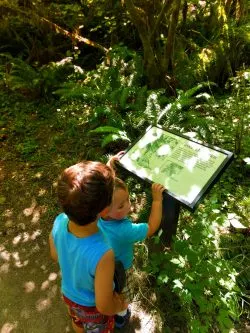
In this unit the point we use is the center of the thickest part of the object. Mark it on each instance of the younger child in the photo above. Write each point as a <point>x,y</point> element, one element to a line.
<point>86,260</point>
<point>123,234</point>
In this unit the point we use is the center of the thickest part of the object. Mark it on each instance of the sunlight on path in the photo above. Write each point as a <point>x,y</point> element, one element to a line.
<point>142,322</point>
<point>147,322</point>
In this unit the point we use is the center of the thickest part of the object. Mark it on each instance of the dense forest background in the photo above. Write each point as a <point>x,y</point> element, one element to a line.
<point>83,79</point>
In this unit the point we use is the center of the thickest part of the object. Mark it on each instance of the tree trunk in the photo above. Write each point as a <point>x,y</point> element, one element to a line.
<point>149,35</point>
<point>138,18</point>
<point>228,6</point>
<point>169,50</point>
<point>241,11</point>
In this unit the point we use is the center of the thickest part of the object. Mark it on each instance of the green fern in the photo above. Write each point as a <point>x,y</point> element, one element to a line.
<point>125,94</point>
<point>34,82</point>
<point>113,93</point>
<point>114,134</point>
<point>75,91</point>
<point>105,115</point>
<point>113,138</point>
<point>21,75</point>
<point>106,129</point>
<point>185,99</point>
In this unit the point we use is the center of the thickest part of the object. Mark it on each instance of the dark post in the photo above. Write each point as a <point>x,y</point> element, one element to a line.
<point>170,216</point>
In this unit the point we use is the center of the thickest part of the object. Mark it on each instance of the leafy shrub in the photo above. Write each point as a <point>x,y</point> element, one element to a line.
<point>35,82</point>
<point>199,275</point>
<point>236,250</point>
<point>240,106</point>
<point>114,93</point>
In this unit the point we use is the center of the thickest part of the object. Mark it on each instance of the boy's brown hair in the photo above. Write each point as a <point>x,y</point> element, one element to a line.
<point>84,190</point>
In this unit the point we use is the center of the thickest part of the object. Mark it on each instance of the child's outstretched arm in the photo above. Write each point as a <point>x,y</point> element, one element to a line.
<point>107,301</point>
<point>154,220</point>
<point>113,159</point>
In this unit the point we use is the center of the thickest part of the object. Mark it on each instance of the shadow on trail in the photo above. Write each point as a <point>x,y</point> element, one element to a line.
<point>29,280</point>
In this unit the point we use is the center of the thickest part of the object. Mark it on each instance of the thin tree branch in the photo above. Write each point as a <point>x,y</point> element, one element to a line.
<point>165,8</point>
<point>198,32</point>
<point>74,35</point>
<point>56,27</point>
<point>137,15</point>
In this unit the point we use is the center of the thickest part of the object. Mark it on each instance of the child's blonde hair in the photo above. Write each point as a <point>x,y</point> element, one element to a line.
<point>119,184</point>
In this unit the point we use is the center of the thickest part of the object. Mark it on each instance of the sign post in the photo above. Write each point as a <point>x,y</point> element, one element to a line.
<point>186,167</point>
<point>170,216</point>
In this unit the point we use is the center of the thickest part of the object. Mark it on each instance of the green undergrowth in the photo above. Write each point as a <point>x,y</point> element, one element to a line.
<point>201,278</point>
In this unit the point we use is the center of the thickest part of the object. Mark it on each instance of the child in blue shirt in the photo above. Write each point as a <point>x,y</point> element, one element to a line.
<point>86,260</point>
<point>122,234</point>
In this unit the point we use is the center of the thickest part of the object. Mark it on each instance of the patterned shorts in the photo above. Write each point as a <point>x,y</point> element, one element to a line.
<point>128,291</point>
<point>89,318</point>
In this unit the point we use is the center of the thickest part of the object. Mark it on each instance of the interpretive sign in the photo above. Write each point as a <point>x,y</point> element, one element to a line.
<point>186,167</point>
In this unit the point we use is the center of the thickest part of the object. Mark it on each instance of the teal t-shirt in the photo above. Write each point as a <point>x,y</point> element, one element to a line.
<point>78,259</point>
<point>121,235</point>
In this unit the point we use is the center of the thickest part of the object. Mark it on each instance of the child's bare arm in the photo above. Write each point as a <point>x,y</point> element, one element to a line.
<point>107,302</point>
<point>52,248</point>
<point>117,157</point>
<point>154,220</point>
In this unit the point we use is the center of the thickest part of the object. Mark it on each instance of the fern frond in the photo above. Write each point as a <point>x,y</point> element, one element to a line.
<point>141,98</point>
<point>107,129</point>
<point>113,138</point>
<point>70,91</point>
<point>23,75</point>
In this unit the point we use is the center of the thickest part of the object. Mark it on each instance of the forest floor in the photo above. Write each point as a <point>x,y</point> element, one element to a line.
<point>33,153</point>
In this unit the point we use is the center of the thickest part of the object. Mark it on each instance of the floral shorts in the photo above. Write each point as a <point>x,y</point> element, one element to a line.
<point>89,318</point>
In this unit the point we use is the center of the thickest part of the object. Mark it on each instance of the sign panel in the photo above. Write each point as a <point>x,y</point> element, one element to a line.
<point>186,167</point>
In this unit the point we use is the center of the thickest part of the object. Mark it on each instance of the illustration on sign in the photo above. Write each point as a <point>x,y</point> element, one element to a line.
<point>183,166</point>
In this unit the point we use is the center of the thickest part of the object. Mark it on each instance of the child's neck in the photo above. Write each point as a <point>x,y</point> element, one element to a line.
<point>108,218</point>
<point>82,231</point>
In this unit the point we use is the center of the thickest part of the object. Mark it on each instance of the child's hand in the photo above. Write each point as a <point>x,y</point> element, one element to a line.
<point>157,190</point>
<point>115,158</point>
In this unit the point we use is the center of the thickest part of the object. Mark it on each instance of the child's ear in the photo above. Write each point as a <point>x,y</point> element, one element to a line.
<point>104,212</point>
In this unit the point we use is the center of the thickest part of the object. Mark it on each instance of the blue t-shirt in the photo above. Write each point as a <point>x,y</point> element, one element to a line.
<point>78,258</point>
<point>122,234</point>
